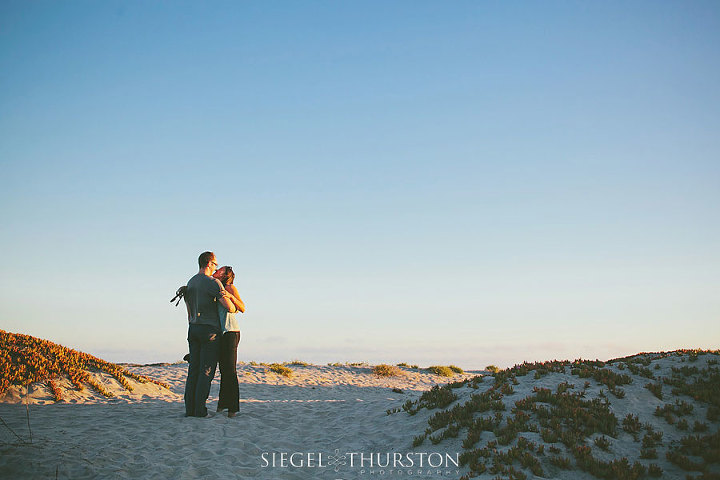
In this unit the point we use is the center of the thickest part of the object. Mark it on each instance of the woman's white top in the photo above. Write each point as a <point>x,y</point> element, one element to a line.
<point>228,322</point>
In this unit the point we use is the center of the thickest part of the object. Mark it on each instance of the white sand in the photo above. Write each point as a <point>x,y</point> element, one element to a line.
<point>144,434</point>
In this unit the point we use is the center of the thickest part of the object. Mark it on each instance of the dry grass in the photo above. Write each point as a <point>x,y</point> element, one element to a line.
<point>281,369</point>
<point>384,370</point>
<point>297,363</point>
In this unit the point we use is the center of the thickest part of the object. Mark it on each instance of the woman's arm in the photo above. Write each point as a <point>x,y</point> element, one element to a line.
<point>235,297</point>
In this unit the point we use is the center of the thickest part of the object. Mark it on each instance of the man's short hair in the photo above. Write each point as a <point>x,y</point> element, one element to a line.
<point>204,259</point>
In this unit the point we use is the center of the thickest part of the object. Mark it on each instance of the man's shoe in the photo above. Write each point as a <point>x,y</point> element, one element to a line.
<point>231,414</point>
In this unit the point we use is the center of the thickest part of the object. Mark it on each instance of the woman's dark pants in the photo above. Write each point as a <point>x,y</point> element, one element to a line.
<point>229,392</point>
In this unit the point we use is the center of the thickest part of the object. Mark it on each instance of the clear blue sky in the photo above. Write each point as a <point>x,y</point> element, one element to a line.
<point>429,182</point>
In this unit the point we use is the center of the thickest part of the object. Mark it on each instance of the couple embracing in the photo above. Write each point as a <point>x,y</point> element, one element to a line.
<point>213,336</point>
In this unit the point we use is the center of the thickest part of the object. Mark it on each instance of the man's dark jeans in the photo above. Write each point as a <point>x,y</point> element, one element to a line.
<point>229,393</point>
<point>204,341</point>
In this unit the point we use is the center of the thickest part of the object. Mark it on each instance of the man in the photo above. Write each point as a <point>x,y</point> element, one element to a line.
<point>204,333</point>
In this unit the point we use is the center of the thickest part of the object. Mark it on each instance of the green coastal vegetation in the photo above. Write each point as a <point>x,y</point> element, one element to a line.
<point>445,371</point>
<point>539,419</point>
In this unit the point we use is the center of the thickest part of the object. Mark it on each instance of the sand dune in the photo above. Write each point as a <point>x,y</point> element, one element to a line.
<point>323,422</point>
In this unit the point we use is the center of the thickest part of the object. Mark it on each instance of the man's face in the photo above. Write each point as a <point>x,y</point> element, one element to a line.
<point>213,265</point>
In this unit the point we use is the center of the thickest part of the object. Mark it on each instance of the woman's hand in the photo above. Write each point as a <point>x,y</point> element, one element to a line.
<point>226,301</point>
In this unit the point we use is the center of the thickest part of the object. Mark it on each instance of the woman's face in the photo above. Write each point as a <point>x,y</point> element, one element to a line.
<point>219,273</point>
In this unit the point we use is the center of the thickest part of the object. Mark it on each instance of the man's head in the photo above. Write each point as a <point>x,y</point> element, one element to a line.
<point>207,259</point>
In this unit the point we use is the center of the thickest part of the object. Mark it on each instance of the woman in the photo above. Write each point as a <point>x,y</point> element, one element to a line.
<point>229,393</point>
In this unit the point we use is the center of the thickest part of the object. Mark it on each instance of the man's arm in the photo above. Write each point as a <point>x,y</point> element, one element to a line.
<point>224,300</point>
<point>187,307</point>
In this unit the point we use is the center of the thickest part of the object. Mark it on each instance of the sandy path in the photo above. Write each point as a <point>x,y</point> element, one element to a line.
<point>151,438</point>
